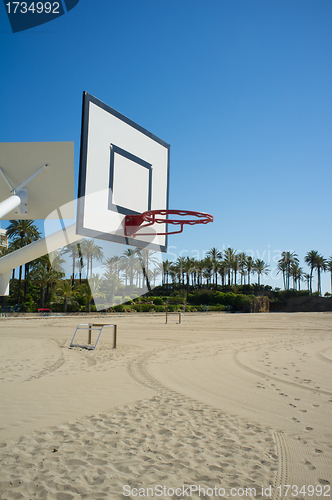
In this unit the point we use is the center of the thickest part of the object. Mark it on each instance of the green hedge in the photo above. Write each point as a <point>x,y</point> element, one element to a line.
<point>238,302</point>
<point>143,307</point>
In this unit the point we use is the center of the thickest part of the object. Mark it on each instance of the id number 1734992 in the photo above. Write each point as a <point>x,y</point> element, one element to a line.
<point>307,491</point>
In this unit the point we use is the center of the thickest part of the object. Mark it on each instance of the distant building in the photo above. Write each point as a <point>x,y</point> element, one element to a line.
<point>3,238</point>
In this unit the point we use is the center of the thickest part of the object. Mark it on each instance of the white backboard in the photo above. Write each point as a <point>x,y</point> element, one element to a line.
<point>124,170</point>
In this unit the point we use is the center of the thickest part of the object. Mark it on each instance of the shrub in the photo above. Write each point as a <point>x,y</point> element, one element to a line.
<point>119,308</point>
<point>158,301</point>
<point>147,307</point>
<point>238,302</point>
<point>200,297</point>
<point>177,300</point>
<point>73,307</point>
<point>160,308</point>
<point>192,309</point>
<point>143,307</point>
<point>171,308</point>
<point>217,308</point>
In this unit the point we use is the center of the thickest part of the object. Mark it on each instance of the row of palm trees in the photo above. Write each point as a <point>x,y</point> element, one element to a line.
<point>136,268</point>
<point>289,266</point>
<point>227,266</point>
<point>236,268</point>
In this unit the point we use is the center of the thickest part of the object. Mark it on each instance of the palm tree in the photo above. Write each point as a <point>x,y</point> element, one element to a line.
<point>222,270</point>
<point>130,261</point>
<point>143,257</point>
<point>241,258</point>
<point>73,249</point>
<point>188,266</point>
<point>287,259</point>
<point>207,269</point>
<point>155,274</point>
<point>282,268</point>
<point>41,276</point>
<point>307,278</point>
<point>261,268</point>
<point>215,256</point>
<point>91,252</point>
<point>231,262</point>
<point>310,259</point>
<point>91,290</point>
<point>113,264</point>
<point>45,275</point>
<point>111,284</point>
<point>296,272</point>
<point>23,233</point>
<point>166,271</point>
<point>329,268</point>
<point>249,265</point>
<point>321,265</point>
<point>65,291</point>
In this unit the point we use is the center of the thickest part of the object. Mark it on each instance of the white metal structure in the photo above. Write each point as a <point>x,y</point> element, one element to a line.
<point>90,327</point>
<point>36,178</point>
<point>33,251</point>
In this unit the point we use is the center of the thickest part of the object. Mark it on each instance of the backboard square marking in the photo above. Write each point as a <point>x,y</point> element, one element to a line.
<point>130,182</point>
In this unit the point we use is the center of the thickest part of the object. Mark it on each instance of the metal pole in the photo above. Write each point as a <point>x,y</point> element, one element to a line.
<point>89,336</point>
<point>9,204</point>
<point>114,339</point>
<point>39,248</point>
<point>34,251</point>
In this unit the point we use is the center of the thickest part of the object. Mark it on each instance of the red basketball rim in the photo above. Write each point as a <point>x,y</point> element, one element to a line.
<point>134,223</point>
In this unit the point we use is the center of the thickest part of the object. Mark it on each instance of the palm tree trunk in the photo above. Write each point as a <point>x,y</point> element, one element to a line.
<point>19,287</point>
<point>73,278</point>
<point>146,279</point>
<point>26,281</point>
<point>42,296</point>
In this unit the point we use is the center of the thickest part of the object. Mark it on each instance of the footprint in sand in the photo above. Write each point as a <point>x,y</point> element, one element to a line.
<point>308,465</point>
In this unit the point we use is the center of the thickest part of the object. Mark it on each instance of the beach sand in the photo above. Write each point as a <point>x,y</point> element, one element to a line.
<point>228,403</point>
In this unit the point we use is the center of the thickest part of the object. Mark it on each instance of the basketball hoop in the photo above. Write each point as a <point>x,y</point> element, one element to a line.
<point>133,223</point>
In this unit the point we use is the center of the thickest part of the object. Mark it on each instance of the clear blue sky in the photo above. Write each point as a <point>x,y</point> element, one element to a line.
<point>241,89</point>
